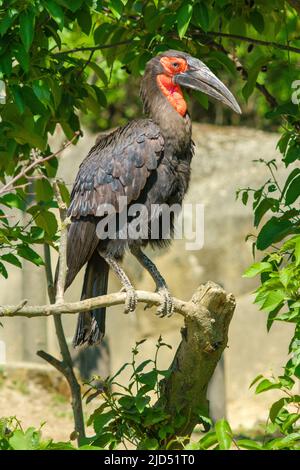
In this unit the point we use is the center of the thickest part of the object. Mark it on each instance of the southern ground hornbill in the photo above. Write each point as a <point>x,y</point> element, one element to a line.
<point>148,162</point>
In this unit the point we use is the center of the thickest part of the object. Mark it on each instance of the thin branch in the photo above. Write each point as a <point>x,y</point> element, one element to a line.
<point>95,48</point>
<point>9,186</point>
<point>58,365</point>
<point>62,266</point>
<point>66,365</point>
<point>109,300</point>
<point>244,73</point>
<point>258,42</point>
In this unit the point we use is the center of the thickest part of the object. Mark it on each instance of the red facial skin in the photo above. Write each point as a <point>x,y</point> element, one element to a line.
<point>173,92</point>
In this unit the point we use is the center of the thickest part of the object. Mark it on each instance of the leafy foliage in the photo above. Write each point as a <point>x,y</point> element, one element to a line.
<point>276,212</point>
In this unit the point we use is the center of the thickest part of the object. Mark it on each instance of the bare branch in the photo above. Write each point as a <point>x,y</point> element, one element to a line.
<point>10,185</point>
<point>58,365</point>
<point>95,48</point>
<point>109,300</point>
<point>62,266</point>
<point>244,73</point>
<point>258,42</point>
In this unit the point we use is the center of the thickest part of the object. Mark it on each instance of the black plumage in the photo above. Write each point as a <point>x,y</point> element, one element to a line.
<point>148,162</point>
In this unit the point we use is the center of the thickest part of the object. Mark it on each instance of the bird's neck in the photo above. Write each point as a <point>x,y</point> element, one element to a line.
<point>166,108</point>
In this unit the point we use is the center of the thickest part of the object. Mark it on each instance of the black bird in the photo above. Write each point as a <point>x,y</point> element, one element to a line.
<point>148,162</point>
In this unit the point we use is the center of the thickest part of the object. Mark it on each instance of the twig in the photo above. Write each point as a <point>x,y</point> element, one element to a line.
<point>244,74</point>
<point>38,161</point>
<point>258,42</point>
<point>52,361</point>
<point>95,48</point>
<point>109,300</point>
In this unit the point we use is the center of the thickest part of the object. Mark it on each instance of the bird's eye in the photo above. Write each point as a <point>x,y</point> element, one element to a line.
<point>175,65</point>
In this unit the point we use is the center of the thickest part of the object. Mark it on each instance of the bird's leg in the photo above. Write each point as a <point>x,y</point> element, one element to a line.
<point>167,307</point>
<point>131,297</point>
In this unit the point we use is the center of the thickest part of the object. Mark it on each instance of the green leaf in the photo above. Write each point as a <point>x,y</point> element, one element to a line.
<point>3,271</point>
<point>141,403</point>
<point>149,378</point>
<point>99,72</point>
<point>201,15</point>
<point>249,445</point>
<point>28,440</point>
<point>28,253</point>
<point>210,439</point>
<point>252,76</point>
<point>22,56</point>
<point>18,98</point>
<point>224,434</point>
<point>13,201</point>
<point>257,20</point>
<point>116,7</point>
<point>101,420</point>
<point>43,190</point>
<point>275,408</point>
<point>64,192</point>
<point>47,221</point>
<point>273,231</point>
<point>148,444</point>
<point>290,178</point>
<point>84,20</point>
<point>292,154</point>
<point>258,268</point>
<point>263,207</point>
<point>184,16</point>
<point>265,385</point>
<point>292,419</point>
<point>27,20</point>
<point>273,299</point>
<point>56,12</point>
<point>254,381</point>
<point>12,259</point>
<point>224,60</point>
<point>102,33</point>
<point>293,191</point>
<point>41,90</point>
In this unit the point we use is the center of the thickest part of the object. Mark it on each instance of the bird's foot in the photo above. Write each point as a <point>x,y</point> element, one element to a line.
<point>166,308</point>
<point>131,299</point>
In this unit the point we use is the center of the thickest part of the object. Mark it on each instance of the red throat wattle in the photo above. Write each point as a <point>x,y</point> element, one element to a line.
<point>172,92</point>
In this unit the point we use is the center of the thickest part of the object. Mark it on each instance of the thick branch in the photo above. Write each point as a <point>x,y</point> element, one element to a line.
<point>109,300</point>
<point>204,338</point>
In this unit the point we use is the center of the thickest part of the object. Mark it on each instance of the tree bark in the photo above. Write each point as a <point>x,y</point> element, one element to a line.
<point>204,338</point>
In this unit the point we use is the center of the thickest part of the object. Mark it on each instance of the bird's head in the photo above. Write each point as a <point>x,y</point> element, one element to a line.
<point>173,69</point>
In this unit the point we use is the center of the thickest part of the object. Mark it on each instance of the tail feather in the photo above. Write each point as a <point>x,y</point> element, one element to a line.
<point>91,325</point>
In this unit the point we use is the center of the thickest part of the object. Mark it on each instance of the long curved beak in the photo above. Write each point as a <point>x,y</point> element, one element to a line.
<point>200,77</point>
